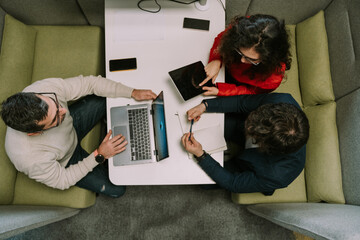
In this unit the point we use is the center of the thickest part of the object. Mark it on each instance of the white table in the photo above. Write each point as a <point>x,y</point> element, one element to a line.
<point>160,44</point>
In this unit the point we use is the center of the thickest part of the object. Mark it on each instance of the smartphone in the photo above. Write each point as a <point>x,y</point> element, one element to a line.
<point>122,64</point>
<point>194,23</point>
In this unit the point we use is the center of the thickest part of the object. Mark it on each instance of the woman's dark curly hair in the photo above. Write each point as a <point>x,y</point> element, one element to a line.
<point>278,128</point>
<point>266,34</point>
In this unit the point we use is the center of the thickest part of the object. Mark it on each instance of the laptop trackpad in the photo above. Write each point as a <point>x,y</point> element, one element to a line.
<point>125,156</point>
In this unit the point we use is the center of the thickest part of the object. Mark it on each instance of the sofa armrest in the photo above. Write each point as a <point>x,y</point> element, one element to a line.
<point>17,219</point>
<point>316,220</point>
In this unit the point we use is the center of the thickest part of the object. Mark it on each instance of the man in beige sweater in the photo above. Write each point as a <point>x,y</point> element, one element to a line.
<point>44,133</point>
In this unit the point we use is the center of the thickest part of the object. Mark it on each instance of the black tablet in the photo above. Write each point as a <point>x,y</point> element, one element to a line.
<point>187,79</point>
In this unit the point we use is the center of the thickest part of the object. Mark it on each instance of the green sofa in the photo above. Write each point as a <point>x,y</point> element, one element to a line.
<point>309,82</point>
<point>323,202</point>
<point>31,53</point>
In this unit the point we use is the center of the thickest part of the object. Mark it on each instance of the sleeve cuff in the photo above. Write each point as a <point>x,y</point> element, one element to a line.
<point>222,89</point>
<point>202,157</point>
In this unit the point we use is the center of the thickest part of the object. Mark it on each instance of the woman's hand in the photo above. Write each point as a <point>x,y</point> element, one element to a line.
<point>212,70</point>
<point>191,145</point>
<point>195,112</point>
<point>210,91</point>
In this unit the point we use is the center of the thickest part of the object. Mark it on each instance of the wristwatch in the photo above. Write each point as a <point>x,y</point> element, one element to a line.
<point>205,103</point>
<point>202,157</point>
<point>98,157</point>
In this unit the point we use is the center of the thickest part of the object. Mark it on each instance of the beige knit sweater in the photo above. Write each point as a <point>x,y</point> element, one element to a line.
<point>44,157</point>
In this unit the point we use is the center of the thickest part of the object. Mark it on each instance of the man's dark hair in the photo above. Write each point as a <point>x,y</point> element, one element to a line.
<point>22,111</point>
<point>278,128</point>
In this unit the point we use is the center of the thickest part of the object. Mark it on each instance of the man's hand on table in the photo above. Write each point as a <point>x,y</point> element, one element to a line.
<point>143,94</point>
<point>195,112</point>
<point>192,146</point>
<point>112,146</point>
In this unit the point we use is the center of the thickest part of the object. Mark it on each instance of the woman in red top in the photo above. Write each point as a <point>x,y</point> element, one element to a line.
<point>255,51</point>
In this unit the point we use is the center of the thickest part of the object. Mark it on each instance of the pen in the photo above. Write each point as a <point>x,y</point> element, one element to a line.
<point>192,122</point>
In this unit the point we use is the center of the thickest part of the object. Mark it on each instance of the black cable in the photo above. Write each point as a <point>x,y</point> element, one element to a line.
<point>146,10</point>
<point>158,10</point>
<point>176,1</point>
<point>186,3</point>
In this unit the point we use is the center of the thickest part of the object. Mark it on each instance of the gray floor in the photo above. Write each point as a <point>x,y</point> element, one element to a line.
<point>163,212</point>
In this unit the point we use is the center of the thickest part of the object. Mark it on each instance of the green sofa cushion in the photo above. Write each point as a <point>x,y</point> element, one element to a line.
<point>290,84</point>
<point>92,140</point>
<point>68,51</point>
<point>17,54</point>
<point>313,58</point>
<point>295,192</point>
<point>30,192</point>
<point>322,167</point>
<point>16,64</point>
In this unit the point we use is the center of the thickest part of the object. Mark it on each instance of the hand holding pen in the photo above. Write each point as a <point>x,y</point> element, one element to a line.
<point>195,112</point>
<point>191,145</point>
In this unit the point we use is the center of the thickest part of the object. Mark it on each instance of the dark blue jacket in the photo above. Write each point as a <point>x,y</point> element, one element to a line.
<point>264,173</point>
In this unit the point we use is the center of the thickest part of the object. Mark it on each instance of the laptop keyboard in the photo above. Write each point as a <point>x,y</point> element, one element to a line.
<point>139,134</point>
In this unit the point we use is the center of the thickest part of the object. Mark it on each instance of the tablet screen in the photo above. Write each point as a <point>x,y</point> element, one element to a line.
<point>187,79</point>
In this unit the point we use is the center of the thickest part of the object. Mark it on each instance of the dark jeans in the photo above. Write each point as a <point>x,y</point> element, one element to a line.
<point>86,113</point>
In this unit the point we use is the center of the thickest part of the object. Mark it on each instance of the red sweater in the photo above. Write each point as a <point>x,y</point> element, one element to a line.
<point>246,85</point>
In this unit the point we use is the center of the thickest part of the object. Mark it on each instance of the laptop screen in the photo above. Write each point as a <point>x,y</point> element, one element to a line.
<point>161,144</point>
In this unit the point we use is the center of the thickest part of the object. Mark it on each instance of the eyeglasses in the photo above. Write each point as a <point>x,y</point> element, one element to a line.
<point>55,99</point>
<point>250,60</point>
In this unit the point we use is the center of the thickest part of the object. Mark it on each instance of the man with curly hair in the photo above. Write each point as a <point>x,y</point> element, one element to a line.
<point>272,131</point>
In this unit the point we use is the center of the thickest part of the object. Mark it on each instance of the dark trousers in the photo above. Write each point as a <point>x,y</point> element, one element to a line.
<point>86,113</point>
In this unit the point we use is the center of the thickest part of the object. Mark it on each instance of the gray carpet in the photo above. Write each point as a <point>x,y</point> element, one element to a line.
<point>163,212</point>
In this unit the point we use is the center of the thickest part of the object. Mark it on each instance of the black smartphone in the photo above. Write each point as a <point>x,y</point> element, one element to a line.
<point>122,64</point>
<point>194,23</point>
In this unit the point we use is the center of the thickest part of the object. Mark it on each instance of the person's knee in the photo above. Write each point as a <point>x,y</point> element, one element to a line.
<point>94,101</point>
<point>113,191</point>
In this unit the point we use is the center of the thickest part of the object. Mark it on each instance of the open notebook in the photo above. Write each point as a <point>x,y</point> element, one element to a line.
<point>211,138</point>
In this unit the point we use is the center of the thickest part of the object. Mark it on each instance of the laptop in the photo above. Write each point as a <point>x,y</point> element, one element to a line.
<point>144,127</point>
